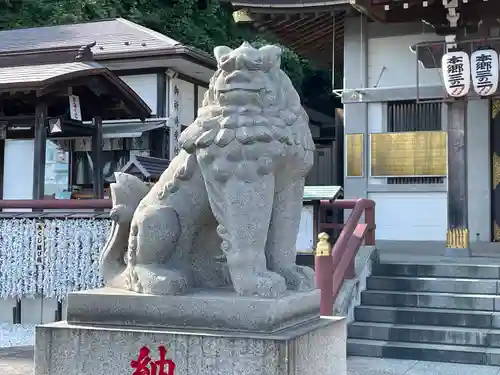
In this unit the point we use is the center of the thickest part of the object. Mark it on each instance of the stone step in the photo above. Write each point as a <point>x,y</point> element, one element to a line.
<point>437,270</point>
<point>423,316</point>
<point>431,284</point>
<point>431,300</point>
<point>424,352</point>
<point>425,334</point>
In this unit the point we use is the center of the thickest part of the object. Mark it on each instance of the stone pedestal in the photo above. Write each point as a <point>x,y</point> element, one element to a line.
<point>205,333</point>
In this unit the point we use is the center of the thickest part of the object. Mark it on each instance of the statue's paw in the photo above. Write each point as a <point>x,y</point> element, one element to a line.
<point>264,284</point>
<point>298,278</point>
<point>115,212</point>
<point>155,279</point>
<point>121,213</point>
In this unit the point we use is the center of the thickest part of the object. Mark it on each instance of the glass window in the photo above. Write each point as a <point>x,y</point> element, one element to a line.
<point>56,170</point>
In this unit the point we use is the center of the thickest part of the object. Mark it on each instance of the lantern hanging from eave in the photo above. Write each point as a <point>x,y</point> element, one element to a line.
<point>456,73</point>
<point>484,71</point>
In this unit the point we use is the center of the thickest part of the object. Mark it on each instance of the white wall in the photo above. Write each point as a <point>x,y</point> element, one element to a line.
<point>388,47</point>
<point>187,104</point>
<point>375,125</point>
<point>6,310</point>
<point>399,61</point>
<point>479,169</point>
<point>38,310</point>
<point>33,310</point>
<point>201,95</point>
<point>410,216</point>
<point>145,85</point>
<point>18,169</point>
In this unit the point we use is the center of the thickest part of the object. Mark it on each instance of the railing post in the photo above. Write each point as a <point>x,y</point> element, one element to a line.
<point>323,265</point>
<point>370,221</point>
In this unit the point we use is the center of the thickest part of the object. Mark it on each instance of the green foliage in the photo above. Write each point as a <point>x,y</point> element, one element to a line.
<point>179,19</point>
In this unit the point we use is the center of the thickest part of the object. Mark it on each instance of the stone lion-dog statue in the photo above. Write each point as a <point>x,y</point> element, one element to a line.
<point>227,209</point>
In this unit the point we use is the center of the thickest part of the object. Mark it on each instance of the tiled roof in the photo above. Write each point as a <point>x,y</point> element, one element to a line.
<point>33,77</point>
<point>115,39</point>
<point>154,166</point>
<point>313,193</point>
<point>40,73</point>
<point>150,167</point>
<point>115,35</point>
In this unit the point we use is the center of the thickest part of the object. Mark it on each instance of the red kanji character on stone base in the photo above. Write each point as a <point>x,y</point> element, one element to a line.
<point>162,362</point>
<point>141,365</point>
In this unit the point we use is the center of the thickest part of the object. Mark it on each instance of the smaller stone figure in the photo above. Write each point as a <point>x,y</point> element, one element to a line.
<point>235,190</point>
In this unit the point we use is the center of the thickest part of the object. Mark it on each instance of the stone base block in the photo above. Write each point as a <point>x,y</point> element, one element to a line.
<point>219,309</point>
<point>452,252</point>
<point>317,347</point>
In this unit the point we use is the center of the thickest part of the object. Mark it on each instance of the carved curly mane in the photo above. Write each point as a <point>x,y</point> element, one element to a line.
<point>230,113</point>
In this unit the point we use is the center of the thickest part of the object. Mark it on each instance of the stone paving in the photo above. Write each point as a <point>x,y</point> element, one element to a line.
<point>382,366</point>
<point>16,360</point>
<point>19,361</point>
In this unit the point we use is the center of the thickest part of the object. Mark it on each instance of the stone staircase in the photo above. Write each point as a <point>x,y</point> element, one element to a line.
<point>447,313</point>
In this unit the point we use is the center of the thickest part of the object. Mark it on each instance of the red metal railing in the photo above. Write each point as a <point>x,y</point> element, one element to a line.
<point>332,270</point>
<point>57,204</point>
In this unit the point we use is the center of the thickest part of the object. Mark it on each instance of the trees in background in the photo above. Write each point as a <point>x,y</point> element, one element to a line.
<point>184,20</point>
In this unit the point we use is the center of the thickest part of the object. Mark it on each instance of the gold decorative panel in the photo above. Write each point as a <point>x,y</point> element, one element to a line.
<point>495,108</point>
<point>409,154</point>
<point>457,238</point>
<point>495,165</point>
<point>354,155</point>
<point>496,231</point>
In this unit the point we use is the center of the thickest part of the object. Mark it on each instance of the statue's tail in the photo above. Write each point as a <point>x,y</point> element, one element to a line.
<point>126,194</point>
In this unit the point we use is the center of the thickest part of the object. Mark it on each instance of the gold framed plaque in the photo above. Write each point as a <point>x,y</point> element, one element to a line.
<point>354,155</point>
<point>406,154</point>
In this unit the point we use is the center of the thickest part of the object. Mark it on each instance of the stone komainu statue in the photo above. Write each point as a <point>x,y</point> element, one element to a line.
<point>227,209</point>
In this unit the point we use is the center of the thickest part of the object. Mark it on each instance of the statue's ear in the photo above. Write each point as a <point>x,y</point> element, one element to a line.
<point>221,51</point>
<point>272,55</point>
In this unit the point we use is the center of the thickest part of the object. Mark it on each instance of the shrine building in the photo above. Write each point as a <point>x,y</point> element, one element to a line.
<point>421,107</point>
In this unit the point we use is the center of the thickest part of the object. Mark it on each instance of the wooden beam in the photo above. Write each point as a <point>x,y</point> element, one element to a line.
<point>158,138</point>
<point>97,160</point>
<point>288,19</point>
<point>299,33</point>
<point>2,163</point>
<point>319,34</point>
<point>302,27</point>
<point>40,147</point>
<point>375,13</point>
<point>288,23</point>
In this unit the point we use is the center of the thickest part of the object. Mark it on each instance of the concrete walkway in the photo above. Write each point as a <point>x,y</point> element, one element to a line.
<point>382,366</point>
<point>16,361</point>
<point>19,361</point>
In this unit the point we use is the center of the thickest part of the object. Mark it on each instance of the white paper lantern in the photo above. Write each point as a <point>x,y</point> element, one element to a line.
<point>456,73</point>
<point>484,70</point>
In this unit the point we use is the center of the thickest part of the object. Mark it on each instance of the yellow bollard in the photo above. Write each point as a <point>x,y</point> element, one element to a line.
<point>323,248</point>
<point>323,267</point>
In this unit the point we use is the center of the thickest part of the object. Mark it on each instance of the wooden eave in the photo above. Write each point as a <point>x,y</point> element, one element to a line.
<point>305,28</point>
<point>31,71</point>
<point>149,167</point>
<point>431,11</point>
<point>289,6</point>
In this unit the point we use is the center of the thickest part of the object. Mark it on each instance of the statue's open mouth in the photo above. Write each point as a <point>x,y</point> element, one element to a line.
<point>234,88</point>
